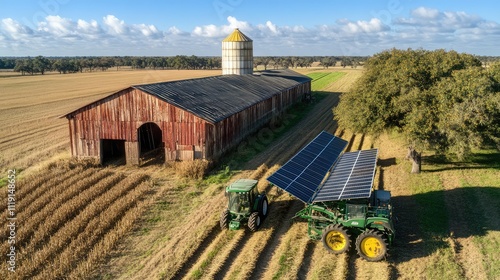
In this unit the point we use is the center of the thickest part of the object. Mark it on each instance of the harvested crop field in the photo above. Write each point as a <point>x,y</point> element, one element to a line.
<point>135,223</point>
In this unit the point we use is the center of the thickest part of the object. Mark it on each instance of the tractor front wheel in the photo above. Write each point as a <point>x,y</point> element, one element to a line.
<point>335,239</point>
<point>254,221</point>
<point>224,219</point>
<point>371,246</point>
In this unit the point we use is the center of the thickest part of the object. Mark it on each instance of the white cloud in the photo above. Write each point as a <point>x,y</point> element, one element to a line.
<point>360,26</point>
<point>147,30</point>
<point>422,28</point>
<point>174,30</point>
<point>91,27</point>
<point>57,26</point>
<point>425,13</point>
<point>115,25</point>
<point>213,31</point>
<point>234,23</point>
<point>207,31</point>
<point>460,20</point>
<point>272,27</point>
<point>14,29</point>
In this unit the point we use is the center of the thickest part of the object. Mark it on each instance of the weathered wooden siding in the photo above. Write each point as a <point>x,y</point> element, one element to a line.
<point>185,136</point>
<point>227,133</point>
<point>119,117</point>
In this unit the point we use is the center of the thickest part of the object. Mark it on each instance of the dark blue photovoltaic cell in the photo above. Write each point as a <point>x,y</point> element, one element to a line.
<point>302,174</point>
<point>352,177</point>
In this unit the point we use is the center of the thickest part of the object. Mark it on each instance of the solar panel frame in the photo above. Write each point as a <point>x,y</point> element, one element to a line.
<point>303,173</point>
<point>351,178</point>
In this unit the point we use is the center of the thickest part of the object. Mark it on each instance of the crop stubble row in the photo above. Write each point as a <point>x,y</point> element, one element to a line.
<point>77,213</point>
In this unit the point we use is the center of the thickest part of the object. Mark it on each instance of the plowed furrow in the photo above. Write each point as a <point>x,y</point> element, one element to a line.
<point>126,221</point>
<point>33,154</point>
<point>57,197</point>
<point>247,261</point>
<point>213,237</point>
<point>65,213</point>
<point>216,254</point>
<point>32,188</point>
<point>288,255</point>
<point>66,233</point>
<point>91,225</point>
<point>27,136</point>
<point>168,260</point>
<point>46,191</point>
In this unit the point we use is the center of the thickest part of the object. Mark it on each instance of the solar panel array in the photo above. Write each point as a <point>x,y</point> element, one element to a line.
<point>302,175</point>
<point>351,178</point>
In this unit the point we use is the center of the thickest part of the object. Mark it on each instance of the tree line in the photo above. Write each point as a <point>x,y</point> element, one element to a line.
<point>438,100</point>
<point>64,65</point>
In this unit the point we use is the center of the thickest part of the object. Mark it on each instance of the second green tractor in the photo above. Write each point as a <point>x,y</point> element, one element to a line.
<point>245,206</point>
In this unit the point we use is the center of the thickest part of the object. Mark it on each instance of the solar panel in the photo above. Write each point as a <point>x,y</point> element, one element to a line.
<point>352,177</point>
<point>303,173</point>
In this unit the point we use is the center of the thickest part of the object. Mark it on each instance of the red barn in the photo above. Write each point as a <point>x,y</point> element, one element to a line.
<point>189,119</point>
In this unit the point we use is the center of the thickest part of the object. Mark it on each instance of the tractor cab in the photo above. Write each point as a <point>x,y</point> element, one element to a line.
<point>245,205</point>
<point>240,198</point>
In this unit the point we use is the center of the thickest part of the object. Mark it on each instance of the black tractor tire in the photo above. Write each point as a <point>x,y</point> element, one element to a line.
<point>372,245</point>
<point>254,221</point>
<point>263,207</point>
<point>336,239</point>
<point>224,219</point>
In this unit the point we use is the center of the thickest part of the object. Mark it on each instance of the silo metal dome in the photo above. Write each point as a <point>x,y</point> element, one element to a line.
<point>237,54</point>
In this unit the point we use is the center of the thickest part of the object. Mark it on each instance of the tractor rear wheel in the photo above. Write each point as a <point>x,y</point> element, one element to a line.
<point>224,219</point>
<point>371,245</point>
<point>263,207</point>
<point>254,221</point>
<point>335,239</point>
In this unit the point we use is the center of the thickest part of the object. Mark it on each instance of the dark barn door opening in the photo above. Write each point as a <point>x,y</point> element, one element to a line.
<point>113,152</point>
<point>151,147</point>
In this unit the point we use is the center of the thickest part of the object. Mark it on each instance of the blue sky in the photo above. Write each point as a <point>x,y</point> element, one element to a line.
<point>279,27</point>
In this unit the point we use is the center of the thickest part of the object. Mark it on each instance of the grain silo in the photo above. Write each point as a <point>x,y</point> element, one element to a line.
<point>237,54</point>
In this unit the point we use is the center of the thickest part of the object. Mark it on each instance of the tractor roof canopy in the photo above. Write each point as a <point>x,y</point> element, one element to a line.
<point>242,185</point>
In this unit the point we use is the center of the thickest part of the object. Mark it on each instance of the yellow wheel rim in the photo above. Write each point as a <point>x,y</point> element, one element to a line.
<point>371,247</point>
<point>335,240</point>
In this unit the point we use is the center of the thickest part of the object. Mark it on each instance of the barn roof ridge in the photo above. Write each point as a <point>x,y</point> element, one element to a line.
<point>215,98</point>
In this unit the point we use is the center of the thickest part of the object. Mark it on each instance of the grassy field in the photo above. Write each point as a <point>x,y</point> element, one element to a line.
<point>79,220</point>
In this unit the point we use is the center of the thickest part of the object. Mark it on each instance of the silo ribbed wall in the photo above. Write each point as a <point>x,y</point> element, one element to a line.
<point>237,58</point>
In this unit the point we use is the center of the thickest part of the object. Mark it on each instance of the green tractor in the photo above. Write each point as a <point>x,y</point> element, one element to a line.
<point>246,205</point>
<point>340,202</point>
<point>370,220</point>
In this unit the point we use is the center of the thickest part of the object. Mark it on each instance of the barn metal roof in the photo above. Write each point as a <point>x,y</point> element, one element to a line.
<point>216,98</point>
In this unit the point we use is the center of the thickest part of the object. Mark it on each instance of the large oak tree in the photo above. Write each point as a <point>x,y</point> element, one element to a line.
<point>439,100</point>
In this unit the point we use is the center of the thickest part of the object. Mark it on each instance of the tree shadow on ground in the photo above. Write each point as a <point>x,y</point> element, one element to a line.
<point>386,162</point>
<point>466,219</point>
<point>474,161</point>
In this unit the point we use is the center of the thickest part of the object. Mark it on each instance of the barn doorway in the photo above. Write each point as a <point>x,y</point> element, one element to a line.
<point>113,152</point>
<point>151,147</point>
